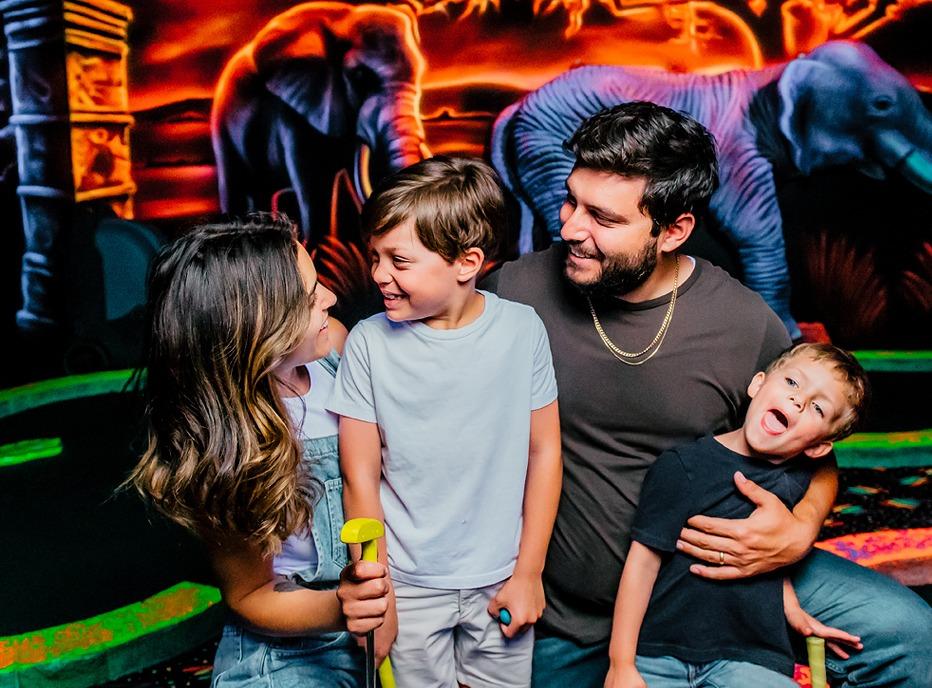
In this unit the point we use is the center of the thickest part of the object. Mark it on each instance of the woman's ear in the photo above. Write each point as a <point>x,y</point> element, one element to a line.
<point>819,450</point>
<point>469,263</point>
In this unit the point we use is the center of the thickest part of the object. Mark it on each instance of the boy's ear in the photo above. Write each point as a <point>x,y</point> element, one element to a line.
<point>756,382</point>
<point>817,451</point>
<point>469,263</point>
<point>675,235</point>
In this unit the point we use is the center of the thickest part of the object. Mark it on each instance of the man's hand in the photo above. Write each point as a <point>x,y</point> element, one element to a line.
<point>625,676</point>
<point>523,596</point>
<point>363,596</point>
<point>769,538</point>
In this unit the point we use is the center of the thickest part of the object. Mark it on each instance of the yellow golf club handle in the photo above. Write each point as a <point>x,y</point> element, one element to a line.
<point>366,532</point>
<point>815,648</point>
<point>386,677</point>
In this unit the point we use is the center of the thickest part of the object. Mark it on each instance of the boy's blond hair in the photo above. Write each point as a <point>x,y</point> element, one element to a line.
<point>848,370</point>
<point>455,203</point>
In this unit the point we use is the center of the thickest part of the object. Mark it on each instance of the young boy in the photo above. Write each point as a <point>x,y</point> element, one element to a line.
<point>701,632</point>
<point>449,430</point>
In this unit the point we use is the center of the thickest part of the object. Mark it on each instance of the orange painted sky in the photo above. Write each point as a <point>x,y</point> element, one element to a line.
<point>179,47</point>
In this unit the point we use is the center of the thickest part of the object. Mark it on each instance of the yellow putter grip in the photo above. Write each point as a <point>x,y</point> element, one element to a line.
<point>361,530</point>
<point>386,677</point>
<point>815,649</point>
<point>366,532</point>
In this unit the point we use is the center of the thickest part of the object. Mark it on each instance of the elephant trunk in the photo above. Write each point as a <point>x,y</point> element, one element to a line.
<point>898,152</point>
<point>390,125</point>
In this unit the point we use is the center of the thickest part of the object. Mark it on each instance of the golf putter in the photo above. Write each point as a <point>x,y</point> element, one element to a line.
<point>815,649</point>
<point>366,532</point>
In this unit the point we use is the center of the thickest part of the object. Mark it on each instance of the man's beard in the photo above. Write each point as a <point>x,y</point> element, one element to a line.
<point>621,274</point>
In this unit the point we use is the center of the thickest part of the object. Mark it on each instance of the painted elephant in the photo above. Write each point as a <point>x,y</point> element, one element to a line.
<point>839,105</point>
<point>323,86</point>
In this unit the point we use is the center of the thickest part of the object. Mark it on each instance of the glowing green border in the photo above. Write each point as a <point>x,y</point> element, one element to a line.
<point>29,450</point>
<point>885,449</point>
<point>18,399</point>
<point>881,361</point>
<point>110,645</point>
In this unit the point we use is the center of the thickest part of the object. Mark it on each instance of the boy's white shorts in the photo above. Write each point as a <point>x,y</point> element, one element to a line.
<point>446,637</point>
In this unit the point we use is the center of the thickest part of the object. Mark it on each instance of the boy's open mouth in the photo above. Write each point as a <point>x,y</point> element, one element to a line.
<point>775,421</point>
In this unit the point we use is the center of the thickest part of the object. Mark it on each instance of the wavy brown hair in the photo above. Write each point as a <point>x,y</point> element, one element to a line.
<point>227,304</point>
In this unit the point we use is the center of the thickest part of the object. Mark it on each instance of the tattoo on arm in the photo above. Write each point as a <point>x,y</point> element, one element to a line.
<point>285,584</point>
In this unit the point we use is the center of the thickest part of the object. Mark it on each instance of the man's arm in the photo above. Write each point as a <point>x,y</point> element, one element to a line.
<point>771,537</point>
<point>523,593</point>
<point>361,465</point>
<point>634,590</point>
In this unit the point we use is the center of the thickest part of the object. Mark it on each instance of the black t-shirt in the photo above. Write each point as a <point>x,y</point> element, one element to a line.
<point>692,618</point>
<point>615,419</point>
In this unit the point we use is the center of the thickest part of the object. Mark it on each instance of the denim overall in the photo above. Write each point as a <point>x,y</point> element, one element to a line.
<point>325,660</point>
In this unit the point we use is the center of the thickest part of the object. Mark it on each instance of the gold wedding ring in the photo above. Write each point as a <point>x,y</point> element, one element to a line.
<point>721,558</point>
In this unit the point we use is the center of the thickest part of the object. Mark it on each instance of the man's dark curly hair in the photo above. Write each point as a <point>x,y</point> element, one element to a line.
<point>672,151</point>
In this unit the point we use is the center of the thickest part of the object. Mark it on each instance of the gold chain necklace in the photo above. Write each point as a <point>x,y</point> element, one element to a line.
<point>623,356</point>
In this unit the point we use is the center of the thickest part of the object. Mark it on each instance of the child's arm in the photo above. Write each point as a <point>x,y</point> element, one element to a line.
<point>523,593</point>
<point>806,625</point>
<point>637,583</point>
<point>361,465</point>
<point>277,606</point>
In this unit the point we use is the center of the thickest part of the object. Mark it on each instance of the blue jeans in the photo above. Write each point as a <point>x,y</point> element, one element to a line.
<point>669,672</point>
<point>250,660</point>
<point>894,623</point>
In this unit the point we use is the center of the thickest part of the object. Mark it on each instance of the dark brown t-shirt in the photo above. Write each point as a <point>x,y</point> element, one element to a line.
<point>616,418</point>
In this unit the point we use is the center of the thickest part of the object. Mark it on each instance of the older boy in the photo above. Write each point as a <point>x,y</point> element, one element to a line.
<point>449,427</point>
<point>698,632</point>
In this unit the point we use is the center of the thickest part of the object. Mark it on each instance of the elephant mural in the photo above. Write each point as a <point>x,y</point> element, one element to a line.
<point>322,87</point>
<point>839,105</point>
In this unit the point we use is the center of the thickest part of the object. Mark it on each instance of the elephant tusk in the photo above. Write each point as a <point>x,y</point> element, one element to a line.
<point>897,152</point>
<point>361,172</point>
<point>917,169</point>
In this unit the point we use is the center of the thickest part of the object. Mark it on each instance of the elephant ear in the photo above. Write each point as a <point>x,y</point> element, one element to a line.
<point>798,85</point>
<point>302,70</point>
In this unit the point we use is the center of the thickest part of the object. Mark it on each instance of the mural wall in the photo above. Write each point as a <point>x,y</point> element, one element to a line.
<point>153,115</point>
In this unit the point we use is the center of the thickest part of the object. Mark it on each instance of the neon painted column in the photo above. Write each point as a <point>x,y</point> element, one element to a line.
<point>68,83</point>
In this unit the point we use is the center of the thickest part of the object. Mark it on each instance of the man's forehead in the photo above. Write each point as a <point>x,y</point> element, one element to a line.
<point>608,176</point>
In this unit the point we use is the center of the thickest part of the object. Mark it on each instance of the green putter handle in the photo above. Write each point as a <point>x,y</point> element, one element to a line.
<point>815,649</point>
<point>366,532</point>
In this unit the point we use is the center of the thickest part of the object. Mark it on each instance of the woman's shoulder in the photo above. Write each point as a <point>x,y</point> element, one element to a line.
<point>337,333</point>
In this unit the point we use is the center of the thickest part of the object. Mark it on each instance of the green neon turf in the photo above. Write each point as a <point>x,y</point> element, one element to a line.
<point>19,399</point>
<point>29,450</point>
<point>887,449</point>
<point>82,639</point>
<point>879,361</point>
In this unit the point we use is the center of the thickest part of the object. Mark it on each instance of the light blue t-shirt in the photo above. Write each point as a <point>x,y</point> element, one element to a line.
<point>453,409</point>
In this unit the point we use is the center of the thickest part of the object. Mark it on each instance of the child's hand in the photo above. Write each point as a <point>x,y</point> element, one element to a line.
<point>523,596</point>
<point>624,676</point>
<point>363,595</point>
<point>806,625</point>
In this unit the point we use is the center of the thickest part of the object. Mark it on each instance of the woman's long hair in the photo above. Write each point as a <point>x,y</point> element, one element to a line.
<point>227,304</point>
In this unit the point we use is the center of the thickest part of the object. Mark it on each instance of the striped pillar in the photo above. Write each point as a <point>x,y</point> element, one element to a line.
<point>67,61</point>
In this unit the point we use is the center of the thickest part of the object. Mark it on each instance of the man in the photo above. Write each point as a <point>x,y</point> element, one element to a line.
<point>653,349</point>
